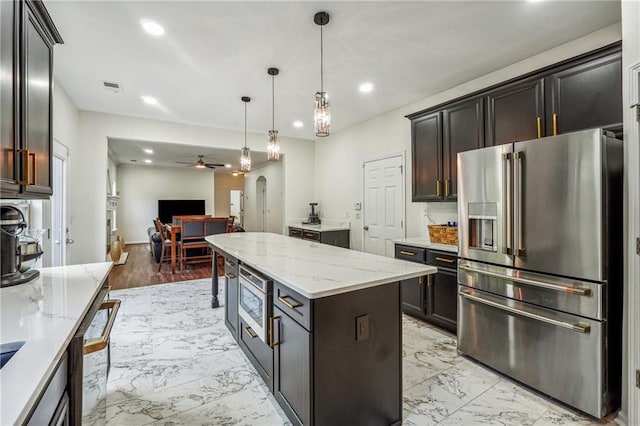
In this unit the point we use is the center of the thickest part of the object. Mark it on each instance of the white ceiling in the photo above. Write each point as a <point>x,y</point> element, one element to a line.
<point>214,52</point>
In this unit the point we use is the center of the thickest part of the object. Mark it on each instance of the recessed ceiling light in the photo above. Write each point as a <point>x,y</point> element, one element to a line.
<point>149,100</point>
<point>366,87</point>
<point>228,165</point>
<point>148,151</point>
<point>152,27</point>
<point>146,160</point>
<point>298,124</point>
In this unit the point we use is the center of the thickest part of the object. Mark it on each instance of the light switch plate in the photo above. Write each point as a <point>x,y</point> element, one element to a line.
<point>357,206</point>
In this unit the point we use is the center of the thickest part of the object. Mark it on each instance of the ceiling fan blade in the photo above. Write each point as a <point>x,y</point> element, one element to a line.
<point>184,162</point>
<point>210,166</point>
<point>213,165</point>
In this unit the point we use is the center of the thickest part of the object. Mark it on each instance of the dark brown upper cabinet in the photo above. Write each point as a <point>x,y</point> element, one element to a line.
<point>463,124</point>
<point>585,95</point>
<point>515,112</point>
<point>27,144</point>
<point>426,156</point>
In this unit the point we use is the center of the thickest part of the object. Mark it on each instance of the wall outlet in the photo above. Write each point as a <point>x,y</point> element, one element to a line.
<point>357,206</point>
<point>362,327</point>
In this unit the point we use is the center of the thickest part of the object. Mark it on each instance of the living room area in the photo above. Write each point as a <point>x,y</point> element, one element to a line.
<point>163,199</point>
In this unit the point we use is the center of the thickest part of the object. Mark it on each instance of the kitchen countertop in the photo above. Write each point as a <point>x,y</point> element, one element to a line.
<point>45,313</point>
<point>323,227</point>
<point>313,269</point>
<point>424,242</point>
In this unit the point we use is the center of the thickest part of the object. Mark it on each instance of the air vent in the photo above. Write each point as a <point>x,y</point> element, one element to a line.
<point>111,86</point>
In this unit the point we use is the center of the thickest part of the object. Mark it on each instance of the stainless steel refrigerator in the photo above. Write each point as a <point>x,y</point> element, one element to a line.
<point>540,270</point>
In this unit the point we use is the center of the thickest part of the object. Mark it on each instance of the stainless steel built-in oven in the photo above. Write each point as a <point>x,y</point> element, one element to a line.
<point>254,302</point>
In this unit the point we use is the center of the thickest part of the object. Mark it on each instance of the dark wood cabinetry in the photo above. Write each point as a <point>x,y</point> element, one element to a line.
<point>338,238</point>
<point>580,93</point>
<point>586,95</point>
<point>27,99</point>
<point>515,112</point>
<point>231,295</point>
<point>434,297</point>
<point>437,139</point>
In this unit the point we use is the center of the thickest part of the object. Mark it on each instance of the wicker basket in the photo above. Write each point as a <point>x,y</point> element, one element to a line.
<point>443,234</point>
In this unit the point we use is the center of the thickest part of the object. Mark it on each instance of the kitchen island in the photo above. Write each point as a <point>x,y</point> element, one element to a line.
<point>44,314</point>
<point>326,334</point>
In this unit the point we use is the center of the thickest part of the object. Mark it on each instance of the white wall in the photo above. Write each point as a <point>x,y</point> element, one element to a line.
<point>141,187</point>
<point>339,158</point>
<point>90,174</point>
<point>630,413</point>
<point>66,127</point>
<point>273,173</point>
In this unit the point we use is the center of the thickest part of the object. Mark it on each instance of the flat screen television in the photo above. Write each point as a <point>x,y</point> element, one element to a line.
<point>169,208</point>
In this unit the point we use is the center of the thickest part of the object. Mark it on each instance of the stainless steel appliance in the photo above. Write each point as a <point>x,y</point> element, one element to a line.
<point>254,302</point>
<point>540,269</point>
<point>89,353</point>
<point>314,217</point>
<point>12,224</point>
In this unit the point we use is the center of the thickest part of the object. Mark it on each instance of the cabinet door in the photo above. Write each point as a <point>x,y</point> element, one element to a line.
<point>8,97</point>
<point>586,95</point>
<point>442,299</point>
<point>463,124</point>
<point>413,296</point>
<point>515,113</point>
<point>231,296</point>
<point>37,95</point>
<point>426,157</point>
<point>292,367</point>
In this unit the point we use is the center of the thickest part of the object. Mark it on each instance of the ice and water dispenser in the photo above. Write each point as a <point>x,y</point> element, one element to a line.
<point>483,226</point>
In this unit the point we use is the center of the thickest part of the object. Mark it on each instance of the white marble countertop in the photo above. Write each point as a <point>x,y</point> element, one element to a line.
<point>424,242</point>
<point>325,226</point>
<point>45,313</point>
<point>313,269</point>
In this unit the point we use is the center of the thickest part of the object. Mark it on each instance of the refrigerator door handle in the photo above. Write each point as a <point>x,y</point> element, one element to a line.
<point>580,328</point>
<point>517,208</point>
<point>578,291</point>
<point>506,188</point>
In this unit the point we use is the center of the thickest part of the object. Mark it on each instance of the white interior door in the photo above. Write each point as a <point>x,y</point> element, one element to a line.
<point>383,219</point>
<point>235,204</point>
<point>59,224</point>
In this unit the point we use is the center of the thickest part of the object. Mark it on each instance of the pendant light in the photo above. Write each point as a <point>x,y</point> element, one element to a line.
<point>245,153</point>
<point>273,142</point>
<point>322,112</point>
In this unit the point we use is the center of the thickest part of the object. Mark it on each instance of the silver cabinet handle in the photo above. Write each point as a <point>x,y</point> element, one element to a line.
<point>579,291</point>
<point>506,187</point>
<point>580,328</point>
<point>518,164</point>
<point>99,343</point>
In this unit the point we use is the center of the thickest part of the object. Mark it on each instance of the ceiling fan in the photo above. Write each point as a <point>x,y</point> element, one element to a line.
<point>200,164</point>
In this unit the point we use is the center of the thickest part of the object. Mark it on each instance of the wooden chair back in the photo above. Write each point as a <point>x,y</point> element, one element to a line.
<point>215,225</point>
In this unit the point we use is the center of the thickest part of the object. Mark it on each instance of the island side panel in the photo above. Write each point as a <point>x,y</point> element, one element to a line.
<point>358,382</point>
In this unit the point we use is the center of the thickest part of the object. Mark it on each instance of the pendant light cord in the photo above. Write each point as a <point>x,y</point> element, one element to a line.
<point>245,124</point>
<point>321,62</point>
<point>273,103</point>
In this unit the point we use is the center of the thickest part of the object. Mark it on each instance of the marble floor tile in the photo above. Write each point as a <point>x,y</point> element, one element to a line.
<point>175,363</point>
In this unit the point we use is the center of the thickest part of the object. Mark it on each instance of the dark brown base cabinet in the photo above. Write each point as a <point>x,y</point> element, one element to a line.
<point>231,295</point>
<point>432,298</point>
<point>320,369</point>
<point>339,238</point>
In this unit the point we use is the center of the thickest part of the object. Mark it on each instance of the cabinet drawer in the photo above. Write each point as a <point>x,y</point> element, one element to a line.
<point>295,232</point>
<point>412,254</point>
<point>442,259</point>
<point>293,304</point>
<point>258,352</point>
<point>310,235</point>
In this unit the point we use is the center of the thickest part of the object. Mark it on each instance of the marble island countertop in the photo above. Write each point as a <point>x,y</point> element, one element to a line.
<point>424,242</point>
<point>314,270</point>
<point>44,313</point>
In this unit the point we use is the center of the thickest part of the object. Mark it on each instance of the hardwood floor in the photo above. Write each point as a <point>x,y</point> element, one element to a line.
<point>141,269</point>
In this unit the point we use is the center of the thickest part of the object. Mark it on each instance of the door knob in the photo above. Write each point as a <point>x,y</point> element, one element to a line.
<point>366,228</point>
<point>70,241</point>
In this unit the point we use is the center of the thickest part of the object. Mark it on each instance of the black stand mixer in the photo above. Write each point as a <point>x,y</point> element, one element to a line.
<point>12,223</point>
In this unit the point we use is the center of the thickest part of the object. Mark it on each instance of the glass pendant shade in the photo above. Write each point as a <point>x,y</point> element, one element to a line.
<point>245,159</point>
<point>322,115</point>
<point>273,146</point>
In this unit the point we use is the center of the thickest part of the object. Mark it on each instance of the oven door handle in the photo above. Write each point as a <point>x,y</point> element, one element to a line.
<point>580,328</point>
<point>579,291</point>
<point>99,343</point>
